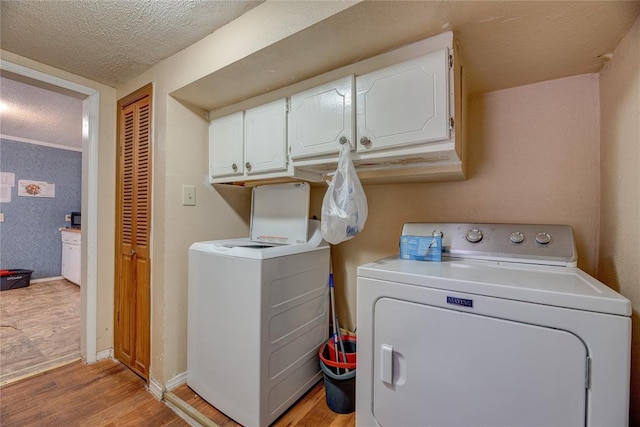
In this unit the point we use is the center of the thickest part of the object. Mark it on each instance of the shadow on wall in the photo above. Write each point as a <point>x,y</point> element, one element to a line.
<point>634,410</point>
<point>607,273</point>
<point>236,197</point>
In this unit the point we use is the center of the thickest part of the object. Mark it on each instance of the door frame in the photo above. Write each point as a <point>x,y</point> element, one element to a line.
<point>89,203</point>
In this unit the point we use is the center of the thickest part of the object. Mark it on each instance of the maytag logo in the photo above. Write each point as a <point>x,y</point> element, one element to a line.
<point>460,301</point>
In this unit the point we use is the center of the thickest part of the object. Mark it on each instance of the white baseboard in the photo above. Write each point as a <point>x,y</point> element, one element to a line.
<point>156,389</point>
<point>177,381</point>
<point>46,279</point>
<point>105,354</point>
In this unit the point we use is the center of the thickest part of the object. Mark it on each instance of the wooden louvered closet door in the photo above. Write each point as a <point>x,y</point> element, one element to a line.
<point>133,224</point>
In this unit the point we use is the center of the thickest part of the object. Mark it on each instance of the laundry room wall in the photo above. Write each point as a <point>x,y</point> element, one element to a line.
<point>618,264</point>
<point>533,157</point>
<point>180,147</point>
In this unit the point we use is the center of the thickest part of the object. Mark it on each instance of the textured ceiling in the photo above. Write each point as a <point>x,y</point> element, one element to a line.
<point>106,41</point>
<point>503,43</point>
<point>110,41</point>
<point>37,114</point>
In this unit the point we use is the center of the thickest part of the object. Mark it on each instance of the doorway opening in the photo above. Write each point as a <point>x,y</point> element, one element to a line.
<point>89,190</point>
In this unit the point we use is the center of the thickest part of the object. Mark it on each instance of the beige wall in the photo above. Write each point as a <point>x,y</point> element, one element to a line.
<point>180,153</point>
<point>217,215</point>
<point>533,155</point>
<point>619,259</point>
<point>106,193</point>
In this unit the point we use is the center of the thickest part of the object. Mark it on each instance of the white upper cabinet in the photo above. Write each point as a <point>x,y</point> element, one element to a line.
<point>265,138</point>
<point>404,104</point>
<point>322,118</point>
<point>226,146</point>
<point>400,111</point>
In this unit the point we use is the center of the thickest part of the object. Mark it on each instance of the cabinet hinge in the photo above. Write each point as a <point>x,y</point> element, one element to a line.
<point>288,105</point>
<point>452,123</point>
<point>450,61</point>
<point>587,379</point>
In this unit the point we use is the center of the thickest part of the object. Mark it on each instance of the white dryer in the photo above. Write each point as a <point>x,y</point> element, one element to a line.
<point>258,310</point>
<point>505,331</point>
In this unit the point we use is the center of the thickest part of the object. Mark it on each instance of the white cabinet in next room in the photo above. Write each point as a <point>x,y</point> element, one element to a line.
<point>404,104</point>
<point>71,249</point>
<point>321,118</point>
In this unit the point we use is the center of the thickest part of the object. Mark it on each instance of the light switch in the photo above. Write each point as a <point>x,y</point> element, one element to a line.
<point>1,217</point>
<point>67,218</point>
<point>188,195</point>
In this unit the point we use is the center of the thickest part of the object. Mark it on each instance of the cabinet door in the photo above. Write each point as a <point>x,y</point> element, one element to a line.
<point>64,267</point>
<point>265,138</point>
<point>404,104</point>
<point>225,146</point>
<point>74,268</point>
<point>70,268</point>
<point>320,117</point>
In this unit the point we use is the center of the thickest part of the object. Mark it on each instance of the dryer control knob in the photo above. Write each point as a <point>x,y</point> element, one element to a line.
<point>543,238</point>
<point>436,233</point>
<point>516,237</point>
<point>474,235</point>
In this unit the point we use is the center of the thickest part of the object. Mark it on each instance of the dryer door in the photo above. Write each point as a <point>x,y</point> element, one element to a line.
<point>453,368</point>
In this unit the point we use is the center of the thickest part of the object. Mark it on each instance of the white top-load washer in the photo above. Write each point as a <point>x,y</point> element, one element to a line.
<point>258,309</point>
<point>505,331</point>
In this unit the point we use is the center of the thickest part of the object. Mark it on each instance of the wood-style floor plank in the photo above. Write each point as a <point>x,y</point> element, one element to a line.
<point>40,327</point>
<point>107,394</point>
<point>311,410</point>
<point>102,394</point>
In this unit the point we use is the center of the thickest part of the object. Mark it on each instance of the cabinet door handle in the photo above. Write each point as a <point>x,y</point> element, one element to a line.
<point>343,140</point>
<point>365,141</point>
<point>248,166</point>
<point>133,252</point>
<point>234,167</point>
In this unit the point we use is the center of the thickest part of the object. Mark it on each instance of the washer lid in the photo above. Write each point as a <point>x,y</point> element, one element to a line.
<point>280,213</point>
<point>549,285</point>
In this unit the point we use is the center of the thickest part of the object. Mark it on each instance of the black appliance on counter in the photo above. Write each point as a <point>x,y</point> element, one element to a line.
<point>76,221</point>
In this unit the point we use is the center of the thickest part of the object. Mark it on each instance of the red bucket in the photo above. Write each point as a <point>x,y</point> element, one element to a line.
<point>328,355</point>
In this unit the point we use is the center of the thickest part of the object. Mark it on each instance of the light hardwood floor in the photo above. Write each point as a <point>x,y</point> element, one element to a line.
<point>40,328</point>
<point>107,394</point>
<point>311,410</point>
<point>103,394</point>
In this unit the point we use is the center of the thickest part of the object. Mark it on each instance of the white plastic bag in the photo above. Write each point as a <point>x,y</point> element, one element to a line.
<point>344,207</point>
